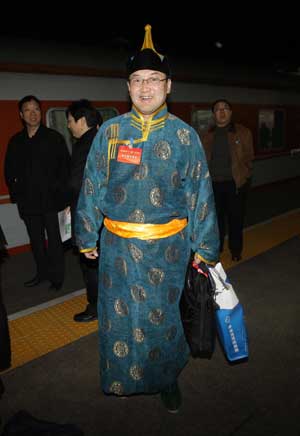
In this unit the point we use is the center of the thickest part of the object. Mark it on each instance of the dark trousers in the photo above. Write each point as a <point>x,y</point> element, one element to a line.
<point>231,208</point>
<point>49,257</point>
<point>89,268</point>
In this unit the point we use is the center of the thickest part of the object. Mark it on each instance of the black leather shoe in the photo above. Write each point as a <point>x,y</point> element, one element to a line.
<point>85,316</point>
<point>34,282</point>
<point>171,398</point>
<point>55,286</point>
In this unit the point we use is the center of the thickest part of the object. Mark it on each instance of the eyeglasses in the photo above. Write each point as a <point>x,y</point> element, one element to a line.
<point>152,81</point>
<point>221,109</point>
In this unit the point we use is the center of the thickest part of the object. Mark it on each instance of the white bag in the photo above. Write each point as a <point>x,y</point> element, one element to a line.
<point>224,293</point>
<point>64,220</point>
<point>230,319</point>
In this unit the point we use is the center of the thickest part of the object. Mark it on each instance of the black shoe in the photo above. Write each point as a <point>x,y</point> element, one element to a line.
<point>55,286</point>
<point>171,398</point>
<point>34,282</point>
<point>236,257</point>
<point>86,316</point>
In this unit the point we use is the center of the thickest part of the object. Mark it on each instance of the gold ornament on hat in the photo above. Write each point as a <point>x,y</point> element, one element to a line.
<point>148,43</point>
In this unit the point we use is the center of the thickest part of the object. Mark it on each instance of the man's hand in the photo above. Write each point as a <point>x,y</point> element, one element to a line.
<point>92,254</point>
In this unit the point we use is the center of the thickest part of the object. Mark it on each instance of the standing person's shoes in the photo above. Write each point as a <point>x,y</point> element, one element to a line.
<point>90,314</point>
<point>55,286</point>
<point>171,398</point>
<point>36,280</point>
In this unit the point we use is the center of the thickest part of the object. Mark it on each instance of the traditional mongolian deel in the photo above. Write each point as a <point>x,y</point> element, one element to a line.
<point>142,343</point>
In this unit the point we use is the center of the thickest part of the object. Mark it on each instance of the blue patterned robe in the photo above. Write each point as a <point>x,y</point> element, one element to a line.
<point>142,344</point>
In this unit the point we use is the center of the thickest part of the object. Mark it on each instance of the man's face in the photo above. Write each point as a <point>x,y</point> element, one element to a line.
<point>148,90</point>
<point>75,127</point>
<point>222,113</point>
<point>31,113</point>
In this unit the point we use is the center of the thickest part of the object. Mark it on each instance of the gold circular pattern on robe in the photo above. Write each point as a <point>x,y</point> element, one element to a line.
<point>106,324</point>
<point>119,194</point>
<point>137,216</point>
<point>106,280</point>
<point>184,136</point>
<point>193,201</point>
<point>204,246</point>
<point>87,224</point>
<point>121,307</point>
<point>156,197</point>
<point>116,388</point>
<point>171,333</point>
<point>203,212</point>
<point>162,150</point>
<point>156,276</point>
<point>120,349</point>
<point>186,169</point>
<point>121,265</point>
<point>88,187</point>
<point>135,252</point>
<point>97,212</point>
<point>138,293</point>
<point>196,173</point>
<point>156,316</point>
<point>140,172</point>
<point>136,372</point>
<point>173,295</point>
<point>172,254</point>
<point>182,234</point>
<point>154,354</point>
<point>139,335</point>
<point>175,179</point>
<point>100,161</point>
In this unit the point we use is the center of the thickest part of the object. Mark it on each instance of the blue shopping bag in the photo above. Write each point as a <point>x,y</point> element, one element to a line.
<point>230,318</point>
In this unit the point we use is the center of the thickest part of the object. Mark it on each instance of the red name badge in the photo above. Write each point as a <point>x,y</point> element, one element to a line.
<point>129,155</point>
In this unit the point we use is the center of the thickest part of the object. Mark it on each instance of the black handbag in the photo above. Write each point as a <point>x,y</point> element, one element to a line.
<point>197,307</point>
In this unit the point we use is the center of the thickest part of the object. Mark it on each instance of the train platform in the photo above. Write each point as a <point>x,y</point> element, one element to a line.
<point>54,373</point>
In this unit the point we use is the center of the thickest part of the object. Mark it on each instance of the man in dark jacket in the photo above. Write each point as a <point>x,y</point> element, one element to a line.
<point>83,122</point>
<point>229,152</point>
<point>36,171</point>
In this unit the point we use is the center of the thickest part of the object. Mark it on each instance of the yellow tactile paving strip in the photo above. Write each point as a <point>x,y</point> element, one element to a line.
<point>44,331</point>
<point>264,236</point>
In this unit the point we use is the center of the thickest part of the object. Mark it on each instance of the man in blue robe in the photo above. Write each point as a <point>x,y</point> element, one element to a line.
<point>147,180</point>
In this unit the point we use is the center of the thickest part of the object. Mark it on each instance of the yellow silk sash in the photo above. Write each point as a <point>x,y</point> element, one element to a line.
<point>145,231</point>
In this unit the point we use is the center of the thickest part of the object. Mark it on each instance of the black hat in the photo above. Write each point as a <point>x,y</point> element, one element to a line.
<point>148,58</point>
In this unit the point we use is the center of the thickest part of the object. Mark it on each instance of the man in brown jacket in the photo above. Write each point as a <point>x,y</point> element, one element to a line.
<point>229,152</point>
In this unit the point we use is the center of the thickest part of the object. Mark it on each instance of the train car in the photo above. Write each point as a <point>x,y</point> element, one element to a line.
<point>269,109</point>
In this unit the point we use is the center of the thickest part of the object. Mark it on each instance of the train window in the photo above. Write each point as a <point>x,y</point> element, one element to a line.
<point>202,120</point>
<point>271,130</point>
<point>56,119</point>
